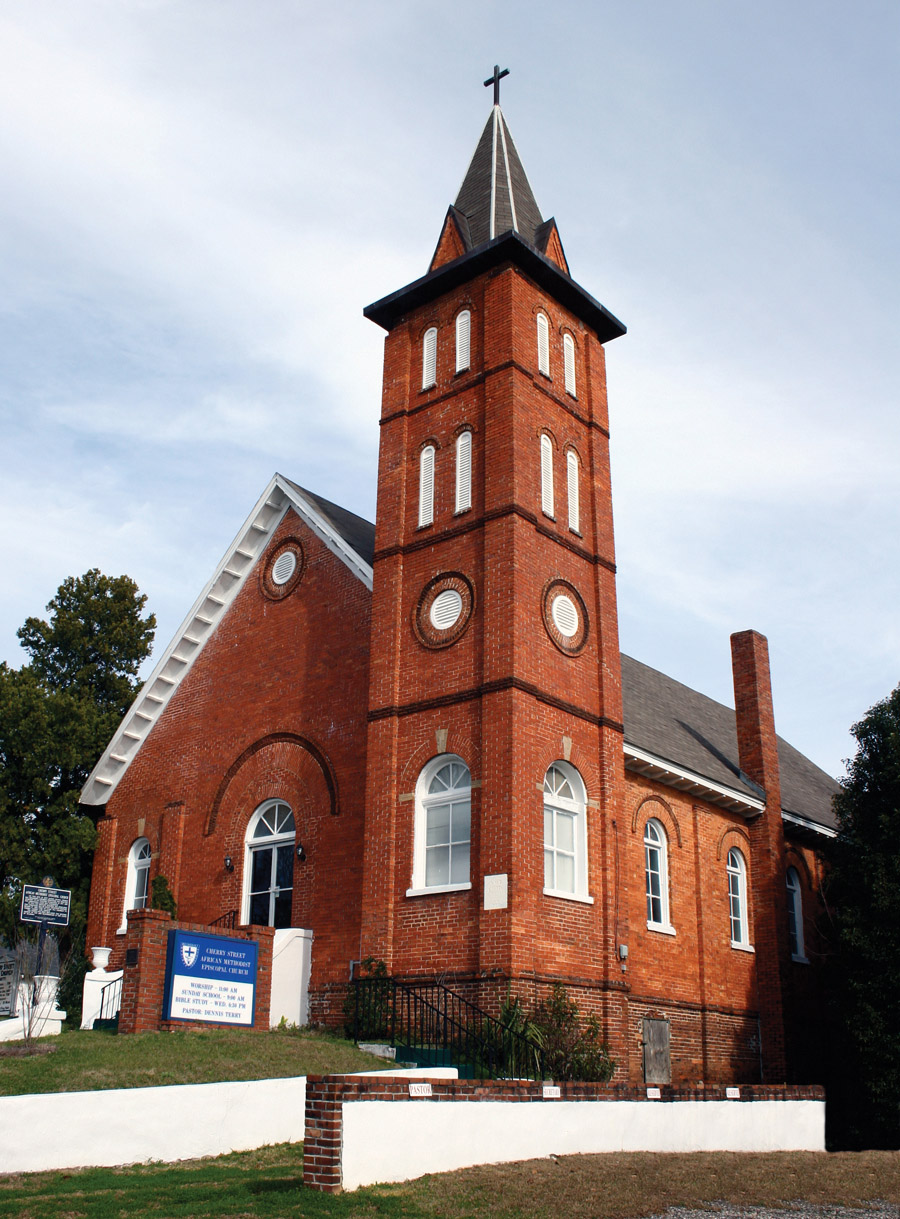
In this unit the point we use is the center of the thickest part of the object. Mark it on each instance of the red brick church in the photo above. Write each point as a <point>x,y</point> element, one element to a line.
<point>420,740</point>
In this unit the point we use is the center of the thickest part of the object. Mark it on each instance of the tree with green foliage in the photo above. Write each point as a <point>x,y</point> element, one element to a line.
<point>57,715</point>
<point>862,892</point>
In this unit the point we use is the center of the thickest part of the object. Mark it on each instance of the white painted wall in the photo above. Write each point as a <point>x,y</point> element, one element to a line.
<point>92,992</point>
<point>291,957</point>
<point>36,1004</point>
<point>400,1140</point>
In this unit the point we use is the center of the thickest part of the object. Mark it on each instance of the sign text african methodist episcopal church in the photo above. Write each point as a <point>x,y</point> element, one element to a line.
<point>210,978</point>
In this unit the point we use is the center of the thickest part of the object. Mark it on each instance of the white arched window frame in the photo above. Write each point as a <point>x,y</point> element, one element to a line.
<point>572,488</point>
<point>426,485</point>
<point>443,827</point>
<point>464,472</point>
<point>547,475</point>
<point>737,900</point>
<point>463,340</point>
<point>565,834</point>
<point>543,344</point>
<point>795,915</point>
<point>569,361</point>
<point>268,881</point>
<point>656,877</point>
<point>137,879</point>
<point>429,358</point>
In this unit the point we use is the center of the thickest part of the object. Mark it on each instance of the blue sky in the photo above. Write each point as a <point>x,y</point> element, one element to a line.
<point>198,198</point>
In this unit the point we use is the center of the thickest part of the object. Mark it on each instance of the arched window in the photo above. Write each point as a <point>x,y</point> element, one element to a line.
<point>569,356</point>
<point>546,475</point>
<point>429,358</point>
<point>463,340</point>
<point>795,915</point>
<point>656,874</point>
<point>543,344</point>
<point>737,899</point>
<point>463,471</point>
<point>269,866</point>
<point>137,880</point>
<point>443,826</point>
<point>572,487</point>
<point>565,833</point>
<point>426,485</point>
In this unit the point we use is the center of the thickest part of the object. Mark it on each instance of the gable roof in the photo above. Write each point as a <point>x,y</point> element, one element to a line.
<point>667,722</point>
<point>347,536</point>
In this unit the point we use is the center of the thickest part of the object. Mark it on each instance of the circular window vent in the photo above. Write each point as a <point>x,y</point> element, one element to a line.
<point>443,610</point>
<point>284,567</point>
<point>565,615</point>
<point>446,609</point>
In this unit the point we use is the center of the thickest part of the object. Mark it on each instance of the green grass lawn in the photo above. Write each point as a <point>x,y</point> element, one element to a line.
<point>84,1061</point>
<point>268,1183</point>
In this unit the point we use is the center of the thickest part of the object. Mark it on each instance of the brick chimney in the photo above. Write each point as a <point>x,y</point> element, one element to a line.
<point>758,758</point>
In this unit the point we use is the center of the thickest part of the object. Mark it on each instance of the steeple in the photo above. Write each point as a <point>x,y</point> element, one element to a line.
<point>496,195</point>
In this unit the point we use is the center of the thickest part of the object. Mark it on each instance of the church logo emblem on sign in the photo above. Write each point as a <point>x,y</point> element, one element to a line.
<point>189,954</point>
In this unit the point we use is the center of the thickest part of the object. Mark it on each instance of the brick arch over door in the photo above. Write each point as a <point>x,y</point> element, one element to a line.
<point>282,751</point>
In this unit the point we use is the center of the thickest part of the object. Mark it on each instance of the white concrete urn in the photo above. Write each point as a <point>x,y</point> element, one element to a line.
<point>100,958</point>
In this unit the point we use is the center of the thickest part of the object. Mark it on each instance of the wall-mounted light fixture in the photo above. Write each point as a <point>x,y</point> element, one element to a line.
<point>301,854</point>
<point>229,864</point>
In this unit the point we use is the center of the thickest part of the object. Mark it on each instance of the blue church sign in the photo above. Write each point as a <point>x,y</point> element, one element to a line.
<point>211,978</point>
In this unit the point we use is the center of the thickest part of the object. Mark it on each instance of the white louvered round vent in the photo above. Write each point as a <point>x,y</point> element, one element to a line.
<point>446,609</point>
<point>284,567</point>
<point>565,615</point>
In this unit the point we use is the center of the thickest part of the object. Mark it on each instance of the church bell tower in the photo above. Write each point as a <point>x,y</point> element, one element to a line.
<point>494,754</point>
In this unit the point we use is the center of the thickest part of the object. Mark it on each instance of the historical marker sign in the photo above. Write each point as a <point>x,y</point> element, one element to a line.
<point>42,904</point>
<point>211,978</point>
<point>9,978</point>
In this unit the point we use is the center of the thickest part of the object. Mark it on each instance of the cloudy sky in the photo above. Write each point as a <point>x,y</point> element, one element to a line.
<point>199,196</point>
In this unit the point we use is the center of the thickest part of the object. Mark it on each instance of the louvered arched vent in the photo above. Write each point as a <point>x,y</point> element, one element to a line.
<point>426,485</point>
<point>464,472</point>
<point>569,353</point>
<point>463,340</point>
<point>572,480</point>
<point>543,344</point>
<point>547,476</point>
<point>429,358</point>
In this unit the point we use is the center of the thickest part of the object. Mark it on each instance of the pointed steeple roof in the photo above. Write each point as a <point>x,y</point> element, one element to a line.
<point>496,196</point>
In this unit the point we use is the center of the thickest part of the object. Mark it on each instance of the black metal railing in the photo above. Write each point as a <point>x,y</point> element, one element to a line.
<point>227,920</point>
<point>110,1000</point>
<point>431,1025</point>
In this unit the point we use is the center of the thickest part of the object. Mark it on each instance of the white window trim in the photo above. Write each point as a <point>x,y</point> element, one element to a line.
<point>274,840</point>
<point>463,483</point>
<point>429,358</point>
<point>579,808</point>
<point>739,870</point>
<point>569,364</point>
<point>543,344</point>
<point>662,845</point>
<point>463,340</point>
<point>547,504</point>
<point>427,463</point>
<point>418,888</point>
<point>131,881</point>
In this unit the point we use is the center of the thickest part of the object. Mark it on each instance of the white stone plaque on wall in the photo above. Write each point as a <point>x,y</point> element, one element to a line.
<point>496,892</point>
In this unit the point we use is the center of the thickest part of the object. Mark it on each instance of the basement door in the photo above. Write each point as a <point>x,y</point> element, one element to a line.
<point>657,1062</point>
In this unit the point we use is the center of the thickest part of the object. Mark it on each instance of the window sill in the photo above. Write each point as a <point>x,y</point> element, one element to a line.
<point>548,515</point>
<point>743,947</point>
<point>577,532</point>
<point>121,930</point>
<point>426,388</point>
<point>570,897</point>
<point>432,889</point>
<point>462,511</point>
<point>799,960</point>
<point>661,928</point>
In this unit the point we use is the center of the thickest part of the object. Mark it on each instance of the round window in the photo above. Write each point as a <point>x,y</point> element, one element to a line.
<point>565,615</point>
<point>446,609</point>
<point>284,567</point>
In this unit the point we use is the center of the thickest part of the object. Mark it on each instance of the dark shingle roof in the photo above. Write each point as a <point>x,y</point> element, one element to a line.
<point>495,170</point>
<point>681,726</point>
<point>356,532</point>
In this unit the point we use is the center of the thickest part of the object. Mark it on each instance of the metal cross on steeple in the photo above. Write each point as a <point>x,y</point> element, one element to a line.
<point>495,81</point>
